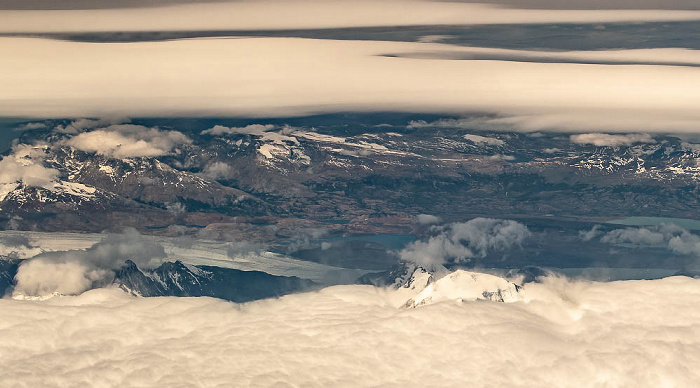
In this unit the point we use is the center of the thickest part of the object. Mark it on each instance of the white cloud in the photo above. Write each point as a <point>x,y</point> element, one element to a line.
<point>83,124</point>
<point>253,129</point>
<point>476,139</point>
<point>670,236</point>
<point>427,219</point>
<point>126,141</point>
<point>607,140</point>
<point>460,242</point>
<point>217,170</point>
<point>304,14</point>
<point>25,164</point>
<point>288,76</point>
<point>588,235</point>
<point>564,334</point>
<point>75,271</point>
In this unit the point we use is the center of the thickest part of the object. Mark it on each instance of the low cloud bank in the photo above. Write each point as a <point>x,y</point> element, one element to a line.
<point>563,334</point>
<point>73,272</point>
<point>461,242</point>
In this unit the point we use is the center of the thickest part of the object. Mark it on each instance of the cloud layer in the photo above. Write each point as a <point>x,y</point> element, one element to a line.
<point>306,14</point>
<point>564,334</point>
<point>288,76</point>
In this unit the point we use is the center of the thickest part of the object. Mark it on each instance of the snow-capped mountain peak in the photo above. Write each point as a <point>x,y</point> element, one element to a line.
<point>467,286</point>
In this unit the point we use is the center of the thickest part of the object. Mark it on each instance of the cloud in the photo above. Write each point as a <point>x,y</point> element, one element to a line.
<point>128,141</point>
<point>653,236</point>
<point>564,334</point>
<point>75,271</point>
<point>304,14</point>
<point>83,124</point>
<point>476,139</point>
<point>588,235</point>
<point>217,170</point>
<point>461,242</point>
<point>304,238</point>
<point>253,129</point>
<point>244,248</point>
<point>25,164</point>
<point>330,76</point>
<point>17,246</point>
<point>31,126</point>
<point>606,140</point>
<point>427,219</point>
<point>669,236</point>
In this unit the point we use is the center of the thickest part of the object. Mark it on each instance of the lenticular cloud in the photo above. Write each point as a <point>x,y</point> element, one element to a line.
<point>563,333</point>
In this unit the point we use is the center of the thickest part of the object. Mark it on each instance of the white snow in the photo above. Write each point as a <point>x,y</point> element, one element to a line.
<point>467,286</point>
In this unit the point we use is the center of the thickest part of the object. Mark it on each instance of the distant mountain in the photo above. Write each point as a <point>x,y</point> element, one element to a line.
<point>178,279</point>
<point>422,286</point>
<point>353,179</point>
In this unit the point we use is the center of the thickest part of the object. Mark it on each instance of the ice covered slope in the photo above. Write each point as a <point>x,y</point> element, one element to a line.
<point>467,286</point>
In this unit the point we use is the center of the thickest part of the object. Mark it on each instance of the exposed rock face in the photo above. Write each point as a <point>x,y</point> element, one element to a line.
<point>178,279</point>
<point>8,270</point>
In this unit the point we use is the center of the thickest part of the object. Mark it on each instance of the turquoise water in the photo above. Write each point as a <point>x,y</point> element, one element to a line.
<point>650,221</point>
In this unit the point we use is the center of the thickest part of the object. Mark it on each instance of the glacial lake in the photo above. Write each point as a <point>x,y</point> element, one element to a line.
<point>651,221</point>
<point>389,241</point>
